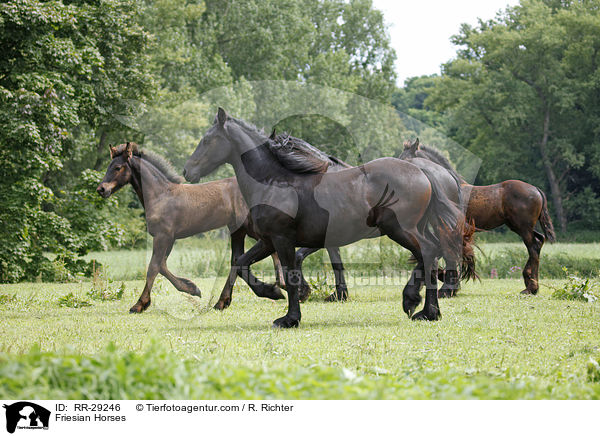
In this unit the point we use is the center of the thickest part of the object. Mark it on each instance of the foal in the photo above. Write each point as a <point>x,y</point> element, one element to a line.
<point>176,211</point>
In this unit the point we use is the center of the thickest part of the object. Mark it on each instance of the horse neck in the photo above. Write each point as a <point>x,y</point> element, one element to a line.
<point>252,161</point>
<point>148,182</point>
<point>441,162</point>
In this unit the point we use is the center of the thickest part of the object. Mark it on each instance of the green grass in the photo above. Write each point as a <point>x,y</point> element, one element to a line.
<point>491,343</point>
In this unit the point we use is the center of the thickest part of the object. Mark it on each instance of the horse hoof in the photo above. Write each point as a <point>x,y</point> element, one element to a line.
<point>275,293</point>
<point>409,305</point>
<point>529,292</point>
<point>423,316</point>
<point>285,322</point>
<point>446,293</point>
<point>334,297</point>
<point>139,307</point>
<point>304,293</point>
<point>222,304</point>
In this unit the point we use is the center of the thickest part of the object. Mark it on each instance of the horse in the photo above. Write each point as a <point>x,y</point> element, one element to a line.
<point>289,148</point>
<point>517,204</point>
<point>294,145</point>
<point>176,211</point>
<point>293,204</point>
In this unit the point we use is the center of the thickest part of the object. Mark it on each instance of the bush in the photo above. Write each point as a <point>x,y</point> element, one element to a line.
<point>577,288</point>
<point>70,300</point>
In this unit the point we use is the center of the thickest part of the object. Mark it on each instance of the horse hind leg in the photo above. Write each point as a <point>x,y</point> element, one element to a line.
<point>431,308</point>
<point>534,244</point>
<point>385,220</point>
<point>451,282</point>
<point>341,289</point>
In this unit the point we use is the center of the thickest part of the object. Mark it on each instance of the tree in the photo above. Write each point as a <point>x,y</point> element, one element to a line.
<point>64,68</point>
<point>515,94</point>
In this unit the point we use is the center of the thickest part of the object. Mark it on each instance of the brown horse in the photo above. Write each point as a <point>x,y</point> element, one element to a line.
<point>517,204</point>
<point>176,211</point>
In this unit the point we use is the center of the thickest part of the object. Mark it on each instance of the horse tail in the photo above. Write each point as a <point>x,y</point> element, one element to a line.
<point>455,232</point>
<point>467,270</point>
<point>545,220</point>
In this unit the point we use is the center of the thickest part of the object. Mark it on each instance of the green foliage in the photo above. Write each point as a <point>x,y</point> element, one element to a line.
<point>156,373</point>
<point>104,288</point>
<point>522,93</point>
<point>71,300</point>
<point>319,286</point>
<point>7,298</point>
<point>593,370</point>
<point>578,288</point>
<point>63,68</point>
<point>411,98</point>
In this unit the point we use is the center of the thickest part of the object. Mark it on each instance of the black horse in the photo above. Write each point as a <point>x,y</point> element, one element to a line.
<point>292,205</point>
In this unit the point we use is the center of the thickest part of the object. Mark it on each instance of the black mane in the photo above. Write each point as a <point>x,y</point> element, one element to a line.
<point>295,154</point>
<point>299,156</point>
<point>434,155</point>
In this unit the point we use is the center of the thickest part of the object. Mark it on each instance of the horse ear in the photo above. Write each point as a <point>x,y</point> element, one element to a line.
<point>221,116</point>
<point>129,150</point>
<point>273,135</point>
<point>414,146</point>
<point>112,149</point>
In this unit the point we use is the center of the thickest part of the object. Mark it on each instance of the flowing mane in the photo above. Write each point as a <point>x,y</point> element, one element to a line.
<point>295,154</point>
<point>161,164</point>
<point>299,156</point>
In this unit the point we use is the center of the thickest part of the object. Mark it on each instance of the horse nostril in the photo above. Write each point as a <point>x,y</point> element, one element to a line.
<point>100,190</point>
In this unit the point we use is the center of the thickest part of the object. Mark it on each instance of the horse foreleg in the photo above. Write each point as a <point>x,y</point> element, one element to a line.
<point>303,288</point>
<point>286,251</point>
<point>279,279</point>
<point>241,267</point>
<point>341,290</point>
<point>237,249</point>
<point>161,245</point>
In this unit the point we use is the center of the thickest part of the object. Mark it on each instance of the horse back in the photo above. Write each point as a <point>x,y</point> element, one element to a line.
<point>508,202</point>
<point>193,209</point>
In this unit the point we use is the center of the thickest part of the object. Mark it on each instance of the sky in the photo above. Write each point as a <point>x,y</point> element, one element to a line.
<point>420,30</point>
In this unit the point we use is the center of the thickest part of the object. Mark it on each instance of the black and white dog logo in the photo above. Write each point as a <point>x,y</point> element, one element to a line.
<point>26,415</point>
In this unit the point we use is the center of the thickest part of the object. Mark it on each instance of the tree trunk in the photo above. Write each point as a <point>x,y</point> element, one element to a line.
<point>555,190</point>
<point>101,150</point>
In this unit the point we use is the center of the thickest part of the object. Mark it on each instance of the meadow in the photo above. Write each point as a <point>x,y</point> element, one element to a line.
<point>60,340</point>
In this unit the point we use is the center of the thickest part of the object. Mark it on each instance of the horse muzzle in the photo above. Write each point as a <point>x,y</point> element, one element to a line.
<point>104,190</point>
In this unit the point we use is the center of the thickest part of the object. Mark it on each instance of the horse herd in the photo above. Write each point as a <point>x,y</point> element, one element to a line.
<point>288,194</point>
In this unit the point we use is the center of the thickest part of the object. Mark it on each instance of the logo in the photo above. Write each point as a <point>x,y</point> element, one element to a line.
<point>26,415</point>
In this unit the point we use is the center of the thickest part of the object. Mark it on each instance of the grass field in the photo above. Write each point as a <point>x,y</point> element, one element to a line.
<point>491,343</point>
<point>195,257</point>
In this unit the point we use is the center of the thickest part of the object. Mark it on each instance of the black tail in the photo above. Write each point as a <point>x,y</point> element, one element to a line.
<point>455,233</point>
<point>545,220</point>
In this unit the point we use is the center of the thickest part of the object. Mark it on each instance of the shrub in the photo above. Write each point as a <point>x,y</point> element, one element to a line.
<point>577,288</point>
<point>70,300</point>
